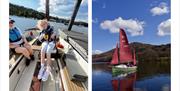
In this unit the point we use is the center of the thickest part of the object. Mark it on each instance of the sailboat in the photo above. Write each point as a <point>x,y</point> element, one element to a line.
<point>123,60</point>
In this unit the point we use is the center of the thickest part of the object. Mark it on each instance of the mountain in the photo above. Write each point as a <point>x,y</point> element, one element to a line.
<point>144,52</point>
<point>30,13</point>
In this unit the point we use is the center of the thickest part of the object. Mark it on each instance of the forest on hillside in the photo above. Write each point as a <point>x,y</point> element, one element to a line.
<point>30,13</point>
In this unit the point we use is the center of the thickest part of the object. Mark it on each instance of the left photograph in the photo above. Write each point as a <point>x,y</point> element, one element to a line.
<point>48,45</point>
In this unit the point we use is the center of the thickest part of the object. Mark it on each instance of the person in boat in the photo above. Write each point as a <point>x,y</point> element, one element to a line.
<point>18,43</point>
<point>47,38</point>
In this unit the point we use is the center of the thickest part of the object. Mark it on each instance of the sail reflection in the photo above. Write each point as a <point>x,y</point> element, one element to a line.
<point>124,83</point>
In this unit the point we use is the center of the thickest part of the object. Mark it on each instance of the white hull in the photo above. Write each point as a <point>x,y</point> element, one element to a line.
<point>124,66</point>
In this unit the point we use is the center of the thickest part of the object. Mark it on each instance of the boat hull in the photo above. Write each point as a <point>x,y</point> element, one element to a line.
<point>121,69</point>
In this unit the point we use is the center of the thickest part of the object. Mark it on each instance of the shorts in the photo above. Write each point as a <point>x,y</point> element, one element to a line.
<point>48,47</point>
<point>13,49</point>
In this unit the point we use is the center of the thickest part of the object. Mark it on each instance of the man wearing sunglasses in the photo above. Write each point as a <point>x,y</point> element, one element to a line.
<point>18,43</point>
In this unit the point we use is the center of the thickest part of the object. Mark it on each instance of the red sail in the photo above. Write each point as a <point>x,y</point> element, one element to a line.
<point>134,62</point>
<point>125,54</point>
<point>114,60</point>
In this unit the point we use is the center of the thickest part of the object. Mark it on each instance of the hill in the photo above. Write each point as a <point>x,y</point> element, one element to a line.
<point>30,13</point>
<point>144,52</point>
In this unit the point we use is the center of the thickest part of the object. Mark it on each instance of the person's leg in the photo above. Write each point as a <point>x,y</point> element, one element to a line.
<point>43,51</point>
<point>23,50</point>
<point>28,47</point>
<point>50,48</point>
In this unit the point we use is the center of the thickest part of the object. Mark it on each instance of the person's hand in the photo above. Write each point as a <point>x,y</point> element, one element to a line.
<point>16,45</point>
<point>26,44</point>
<point>53,36</point>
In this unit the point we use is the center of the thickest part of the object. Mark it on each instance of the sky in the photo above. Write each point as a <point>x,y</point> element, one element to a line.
<point>145,21</point>
<point>61,8</point>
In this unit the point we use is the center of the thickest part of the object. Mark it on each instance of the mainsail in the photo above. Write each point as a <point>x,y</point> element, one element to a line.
<point>114,60</point>
<point>125,54</point>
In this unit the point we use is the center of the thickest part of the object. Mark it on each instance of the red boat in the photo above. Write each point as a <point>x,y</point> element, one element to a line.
<point>124,59</point>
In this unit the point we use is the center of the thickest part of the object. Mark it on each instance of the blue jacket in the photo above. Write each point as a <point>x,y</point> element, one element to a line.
<point>14,35</point>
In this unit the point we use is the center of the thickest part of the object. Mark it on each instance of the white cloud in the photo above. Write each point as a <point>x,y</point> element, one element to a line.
<point>97,52</point>
<point>164,28</point>
<point>132,26</point>
<point>64,8</point>
<point>160,10</point>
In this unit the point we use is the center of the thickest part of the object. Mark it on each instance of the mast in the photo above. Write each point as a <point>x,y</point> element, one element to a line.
<point>125,54</point>
<point>76,8</point>
<point>47,10</point>
<point>134,61</point>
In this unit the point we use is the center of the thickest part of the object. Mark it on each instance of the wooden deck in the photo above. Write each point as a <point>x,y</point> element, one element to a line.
<point>69,85</point>
<point>58,81</point>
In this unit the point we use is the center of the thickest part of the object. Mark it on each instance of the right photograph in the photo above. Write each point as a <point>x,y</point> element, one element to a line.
<point>131,45</point>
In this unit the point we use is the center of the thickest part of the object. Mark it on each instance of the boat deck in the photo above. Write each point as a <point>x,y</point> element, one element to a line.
<point>26,79</point>
<point>70,85</point>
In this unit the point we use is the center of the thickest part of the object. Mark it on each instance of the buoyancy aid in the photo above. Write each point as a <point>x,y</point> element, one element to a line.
<point>14,35</point>
<point>47,33</point>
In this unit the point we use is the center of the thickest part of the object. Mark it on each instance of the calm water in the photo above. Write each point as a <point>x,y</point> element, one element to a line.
<point>152,76</point>
<point>25,23</point>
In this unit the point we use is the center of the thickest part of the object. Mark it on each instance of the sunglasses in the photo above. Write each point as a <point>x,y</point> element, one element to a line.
<point>11,22</point>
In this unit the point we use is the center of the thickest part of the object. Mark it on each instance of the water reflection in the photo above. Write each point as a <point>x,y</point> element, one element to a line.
<point>124,83</point>
<point>150,76</point>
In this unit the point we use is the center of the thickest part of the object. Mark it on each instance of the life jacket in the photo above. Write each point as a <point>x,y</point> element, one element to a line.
<point>48,32</point>
<point>14,35</point>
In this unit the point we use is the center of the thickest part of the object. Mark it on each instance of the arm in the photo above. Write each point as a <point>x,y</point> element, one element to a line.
<point>54,34</point>
<point>40,37</point>
<point>23,37</point>
<point>13,45</point>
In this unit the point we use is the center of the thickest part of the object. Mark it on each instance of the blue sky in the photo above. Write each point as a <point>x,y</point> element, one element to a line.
<point>146,21</point>
<point>61,8</point>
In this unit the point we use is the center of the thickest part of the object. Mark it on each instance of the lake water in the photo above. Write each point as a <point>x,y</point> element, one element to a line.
<point>25,23</point>
<point>151,76</point>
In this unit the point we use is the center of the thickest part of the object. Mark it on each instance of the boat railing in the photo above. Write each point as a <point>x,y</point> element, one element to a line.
<point>83,53</point>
